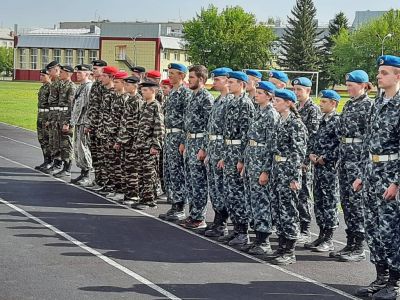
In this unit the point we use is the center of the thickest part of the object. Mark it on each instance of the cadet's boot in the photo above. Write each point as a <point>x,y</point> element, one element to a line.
<point>80,177</point>
<point>262,245</point>
<point>218,228</point>
<point>279,251</point>
<point>358,252</point>
<point>316,242</point>
<point>327,244</point>
<point>66,171</point>
<point>178,214</point>
<point>226,238</point>
<point>55,167</point>
<point>382,278</point>
<point>242,238</point>
<point>305,234</point>
<point>288,257</point>
<point>171,211</point>
<point>346,249</point>
<point>392,289</point>
<point>47,166</point>
<point>42,165</point>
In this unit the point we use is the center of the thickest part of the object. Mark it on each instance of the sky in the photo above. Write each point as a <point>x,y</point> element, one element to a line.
<point>47,13</point>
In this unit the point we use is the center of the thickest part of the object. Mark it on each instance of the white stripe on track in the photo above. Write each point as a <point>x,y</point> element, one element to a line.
<point>19,142</point>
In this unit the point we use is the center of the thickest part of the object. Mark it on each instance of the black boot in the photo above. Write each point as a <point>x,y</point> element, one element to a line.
<point>382,278</point>
<point>261,245</point>
<point>45,162</point>
<point>392,288</point>
<point>231,235</point>
<point>47,166</point>
<point>66,171</point>
<point>305,234</point>
<point>242,238</point>
<point>279,251</point>
<point>288,257</point>
<point>358,252</point>
<point>327,244</point>
<point>80,177</point>
<point>346,249</point>
<point>218,228</point>
<point>55,167</point>
<point>316,242</point>
<point>176,214</point>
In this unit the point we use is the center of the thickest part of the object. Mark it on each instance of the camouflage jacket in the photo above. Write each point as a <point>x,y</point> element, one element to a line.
<point>55,87</point>
<point>326,140</point>
<point>127,133</point>
<point>113,123</point>
<point>160,96</point>
<point>107,97</point>
<point>66,100</point>
<point>310,114</point>
<point>151,128</point>
<point>81,104</point>
<point>92,120</point>
<point>290,141</point>
<point>43,96</point>
<point>238,114</point>
<point>197,113</point>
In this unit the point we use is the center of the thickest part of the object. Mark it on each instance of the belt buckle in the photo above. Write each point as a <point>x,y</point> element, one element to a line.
<point>278,158</point>
<point>252,143</point>
<point>344,140</point>
<point>375,158</point>
<point>189,136</point>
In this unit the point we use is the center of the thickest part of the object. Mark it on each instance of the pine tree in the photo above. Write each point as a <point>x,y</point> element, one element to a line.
<point>301,47</point>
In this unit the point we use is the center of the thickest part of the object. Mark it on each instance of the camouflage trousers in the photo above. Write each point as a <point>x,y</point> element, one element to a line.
<point>66,144</point>
<point>83,157</point>
<point>382,217</point>
<point>54,135</point>
<point>95,148</point>
<point>305,196</point>
<point>215,178</point>
<point>351,202</point>
<point>113,167</point>
<point>43,134</point>
<point>257,196</point>
<point>196,180</point>
<point>130,166</point>
<point>174,173</point>
<point>147,175</point>
<point>234,186</point>
<point>284,201</point>
<point>101,166</point>
<point>326,196</point>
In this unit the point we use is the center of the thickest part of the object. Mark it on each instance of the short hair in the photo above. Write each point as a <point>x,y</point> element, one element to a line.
<point>200,72</point>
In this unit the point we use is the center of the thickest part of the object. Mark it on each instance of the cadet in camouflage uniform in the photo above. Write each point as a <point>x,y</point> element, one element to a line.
<point>380,183</point>
<point>43,110</point>
<point>257,167</point>
<point>127,137</point>
<point>83,157</point>
<point>254,77</point>
<point>289,149</point>
<point>310,115</point>
<point>214,151</point>
<point>52,117</point>
<point>155,76</point>
<point>324,154</point>
<point>65,103</point>
<point>92,119</point>
<point>174,175</point>
<point>353,125</point>
<point>236,123</point>
<point>148,145</point>
<point>279,78</point>
<point>166,87</point>
<point>196,116</point>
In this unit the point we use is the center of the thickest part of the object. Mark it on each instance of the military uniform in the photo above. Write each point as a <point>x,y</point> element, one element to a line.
<point>54,129</point>
<point>42,118</point>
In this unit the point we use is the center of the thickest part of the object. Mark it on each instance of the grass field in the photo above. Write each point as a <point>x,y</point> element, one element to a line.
<point>18,103</point>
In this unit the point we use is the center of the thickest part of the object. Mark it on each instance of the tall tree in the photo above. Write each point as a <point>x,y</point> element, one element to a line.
<point>338,23</point>
<point>301,47</point>
<point>6,60</point>
<point>229,38</point>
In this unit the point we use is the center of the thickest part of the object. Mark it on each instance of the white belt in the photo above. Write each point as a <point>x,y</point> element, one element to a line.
<point>255,144</point>
<point>63,108</point>
<point>44,109</point>
<point>54,108</point>
<point>382,158</point>
<point>195,135</point>
<point>171,130</point>
<point>346,140</point>
<point>214,137</point>
<point>279,158</point>
<point>233,142</point>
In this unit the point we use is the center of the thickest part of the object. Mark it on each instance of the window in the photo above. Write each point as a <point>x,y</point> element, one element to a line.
<point>92,55</point>
<point>45,57</point>
<point>166,54</point>
<point>186,57</point>
<point>176,56</point>
<point>57,55</point>
<point>120,52</point>
<point>23,59</point>
<point>34,54</point>
<point>81,56</point>
<point>68,56</point>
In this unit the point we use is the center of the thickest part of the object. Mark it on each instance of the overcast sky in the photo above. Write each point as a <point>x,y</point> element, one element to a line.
<point>46,13</point>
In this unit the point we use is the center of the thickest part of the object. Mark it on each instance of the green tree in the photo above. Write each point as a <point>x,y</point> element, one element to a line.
<point>230,38</point>
<point>301,47</point>
<point>6,60</point>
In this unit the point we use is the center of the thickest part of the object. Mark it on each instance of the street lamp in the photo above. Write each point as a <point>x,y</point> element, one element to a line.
<point>389,35</point>
<point>134,47</point>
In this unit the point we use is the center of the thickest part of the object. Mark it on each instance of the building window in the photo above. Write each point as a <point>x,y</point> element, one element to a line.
<point>81,56</point>
<point>68,56</point>
<point>166,54</point>
<point>23,59</point>
<point>120,52</point>
<point>186,57</point>
<point>57,55</point>
<point>92,55</point>
<point>45,57</point>
<point>176,56</point>
<point>34,57</point>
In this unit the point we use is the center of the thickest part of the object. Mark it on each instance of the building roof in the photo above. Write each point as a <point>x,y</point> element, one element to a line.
<point>62,42</point>
<point>168,42</point>
<point>5,34</point>
<point>363,17</point>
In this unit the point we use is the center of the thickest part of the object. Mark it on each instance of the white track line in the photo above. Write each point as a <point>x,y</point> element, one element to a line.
<point>93,251</point>
<point>299,276</point>
<point>19,142</point>
<point>26,129</point>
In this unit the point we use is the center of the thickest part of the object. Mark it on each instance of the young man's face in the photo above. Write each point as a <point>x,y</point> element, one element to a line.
<point>130,87</point>
<point>105,79</point>
<point>302,92</point>
<point>44,78</point>
<point>194,81</point>
<point>54,72</point>
<point>354,89</point>
<point>234,85</point>
<point>148,93</point>
<point>175,76</point>
<point>388,76</point>
<point>327,105</point>
<point>281,104</point>
<point>97,71</point>
<point>165,89</point>
<point>81,75</point>
<point>119,85</point>
<point>64,75</point>
<point>262,96</point>
<point>251,84</point>
<point>220,83</point>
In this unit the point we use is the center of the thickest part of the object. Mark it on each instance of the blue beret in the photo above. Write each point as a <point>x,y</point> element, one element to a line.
<point>221,72</point>
<point>266,86</point>
<point>358,76</point>
<point>304,81</point>
<point>178,67</point>
<point>389,60</point>
<point>238,75</point>
<point>330,94</point>
<point>254,73</point>
<point>279,75</point>
<point>286,94</point>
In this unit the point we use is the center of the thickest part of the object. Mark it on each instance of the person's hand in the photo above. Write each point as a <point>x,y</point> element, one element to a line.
<point>153,151</point>
<point>239,166</point>
<point>87,130</point>
<point>220,164</point>
<point>47,124</point>
<point>264,178</point>
<point>206,160</point>
<point>313,158</point>
<point>181,149</point>
<point>117,146</point>
<point>321,161</point>
<point>65,128</point>
<point>391,192</point>
<point>295,186</point>
<point>357,185</point>
<point>201,155</point>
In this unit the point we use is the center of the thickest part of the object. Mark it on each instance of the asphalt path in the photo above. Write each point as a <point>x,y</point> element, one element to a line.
<point>59,241</point>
